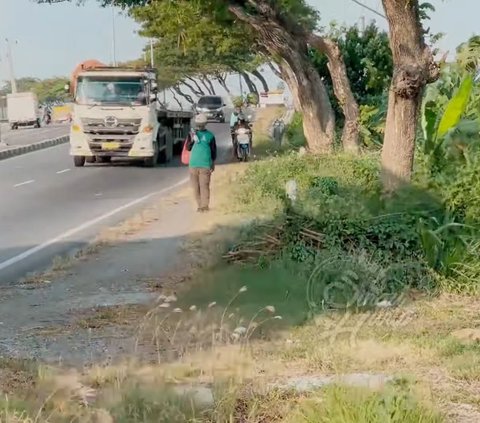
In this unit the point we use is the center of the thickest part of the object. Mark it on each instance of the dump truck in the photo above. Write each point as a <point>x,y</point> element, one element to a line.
<point>22,110</point>
<point>116,113</point>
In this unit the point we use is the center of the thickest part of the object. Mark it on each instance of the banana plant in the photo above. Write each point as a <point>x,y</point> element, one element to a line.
<point>442,129</point>
<point>444,242</point>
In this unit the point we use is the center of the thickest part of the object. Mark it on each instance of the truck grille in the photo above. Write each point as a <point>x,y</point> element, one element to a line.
<point>123,130</point>
<point>101,131</point>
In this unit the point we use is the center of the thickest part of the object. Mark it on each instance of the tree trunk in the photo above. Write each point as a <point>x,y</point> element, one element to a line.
<point>311,126</point>
<point>276,72</point>
<point>212,88</point>
<point>290,44</point>
<point>221,78</point>
<point>262,80</point>
<point>192,89</point>
<point>199,92</point>
<point>203,80</point>
<point>182,94</point>
<point>288,76</point>
<point>250,84</point>
<point>414,68</point>
<point>342,90</point>
<point>176,99</point>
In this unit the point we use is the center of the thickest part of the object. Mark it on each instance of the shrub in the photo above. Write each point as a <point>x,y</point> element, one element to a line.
<point>294,132</point>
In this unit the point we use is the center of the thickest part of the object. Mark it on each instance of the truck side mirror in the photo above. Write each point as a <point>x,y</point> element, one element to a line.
<point>153,97</point>
<point>154,87</point>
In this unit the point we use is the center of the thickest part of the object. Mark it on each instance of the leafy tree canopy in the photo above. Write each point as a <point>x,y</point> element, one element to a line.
<point>368,59</point>
<point>47,90</point>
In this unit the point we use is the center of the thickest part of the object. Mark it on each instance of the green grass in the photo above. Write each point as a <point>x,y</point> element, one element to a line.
<point>348,405</point>
<point>161,405</point>
<point>277,285</point>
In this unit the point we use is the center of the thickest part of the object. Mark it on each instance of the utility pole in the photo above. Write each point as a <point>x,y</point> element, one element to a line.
<point>114,44</point>
<point>13,82</point>
<point>362,24</point>
<point>240,83</point>
<point>151,54</point>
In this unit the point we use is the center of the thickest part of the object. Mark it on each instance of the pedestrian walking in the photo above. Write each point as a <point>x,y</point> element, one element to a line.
<point>203,152</point>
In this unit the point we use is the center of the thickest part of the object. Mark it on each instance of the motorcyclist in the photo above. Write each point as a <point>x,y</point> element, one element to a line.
<point>234,116</point>
<point>47,115</point>
<point>234,119</point>
<point>242,122</point>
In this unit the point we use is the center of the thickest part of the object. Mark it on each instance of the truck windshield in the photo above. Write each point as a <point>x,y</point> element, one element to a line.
<point>110,90</point>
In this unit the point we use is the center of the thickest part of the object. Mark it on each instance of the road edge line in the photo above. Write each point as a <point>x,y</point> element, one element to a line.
<point>86,225</point>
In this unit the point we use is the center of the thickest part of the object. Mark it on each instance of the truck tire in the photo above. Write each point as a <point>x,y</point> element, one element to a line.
<point>177,148</point>
<point>168,146</point>
<point>79,161</point>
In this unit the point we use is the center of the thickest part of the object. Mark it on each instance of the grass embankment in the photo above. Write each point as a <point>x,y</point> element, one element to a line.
<point>341,281</point>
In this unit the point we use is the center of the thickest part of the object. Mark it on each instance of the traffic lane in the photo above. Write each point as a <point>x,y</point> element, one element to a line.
<point>27,136</point>
<point>50,162</point>
<point>34,166</point>
<point>55,161</point>
<point>60,212</point>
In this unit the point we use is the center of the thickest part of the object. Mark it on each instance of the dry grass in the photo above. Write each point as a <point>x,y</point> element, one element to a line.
<point>111,316</point>
<point>264,119</point>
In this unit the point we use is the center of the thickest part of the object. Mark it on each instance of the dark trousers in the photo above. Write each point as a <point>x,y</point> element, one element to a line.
<point>200,181</point>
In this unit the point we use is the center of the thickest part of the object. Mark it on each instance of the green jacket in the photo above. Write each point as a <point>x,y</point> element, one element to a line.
<point>203,149</point>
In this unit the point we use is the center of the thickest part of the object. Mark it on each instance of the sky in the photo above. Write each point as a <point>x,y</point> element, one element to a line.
<point>52,39</point>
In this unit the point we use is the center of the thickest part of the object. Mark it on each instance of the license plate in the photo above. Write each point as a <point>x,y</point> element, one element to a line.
<point>110,146</point>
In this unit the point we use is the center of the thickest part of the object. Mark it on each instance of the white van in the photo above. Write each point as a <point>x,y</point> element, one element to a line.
<point>22,110</point>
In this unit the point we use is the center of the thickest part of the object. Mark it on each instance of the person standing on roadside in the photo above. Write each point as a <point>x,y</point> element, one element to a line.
<point>203,152</point>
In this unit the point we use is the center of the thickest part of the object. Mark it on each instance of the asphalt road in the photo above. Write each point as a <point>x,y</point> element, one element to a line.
<point>27,136</point>
<point>48,207</point>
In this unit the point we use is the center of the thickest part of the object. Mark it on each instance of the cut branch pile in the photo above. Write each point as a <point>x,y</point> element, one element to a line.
<point>272,241</point>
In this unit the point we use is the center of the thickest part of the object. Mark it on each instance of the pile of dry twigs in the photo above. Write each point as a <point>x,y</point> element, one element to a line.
<point>271,240</point>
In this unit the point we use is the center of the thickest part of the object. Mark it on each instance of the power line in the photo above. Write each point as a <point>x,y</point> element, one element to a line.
<point>369,9</point>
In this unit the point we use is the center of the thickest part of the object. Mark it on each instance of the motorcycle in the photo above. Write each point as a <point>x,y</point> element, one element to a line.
<point>243,141</point>
<point>47,118</point>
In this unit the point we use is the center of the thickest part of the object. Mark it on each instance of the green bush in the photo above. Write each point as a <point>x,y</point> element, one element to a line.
<point>294,132</point>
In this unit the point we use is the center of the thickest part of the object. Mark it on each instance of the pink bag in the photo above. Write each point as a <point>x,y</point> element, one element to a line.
<point>185,153</point>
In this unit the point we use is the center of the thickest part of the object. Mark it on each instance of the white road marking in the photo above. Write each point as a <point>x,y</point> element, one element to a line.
<point>63,171</point>
<point>31,181</point>
<point>22,256</point>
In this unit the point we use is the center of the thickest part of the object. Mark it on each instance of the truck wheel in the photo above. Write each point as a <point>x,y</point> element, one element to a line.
<point>168,146</point>
<point>177,148</point>
<point>79,161</point>
<point>152,161</point>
